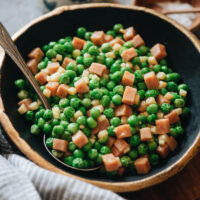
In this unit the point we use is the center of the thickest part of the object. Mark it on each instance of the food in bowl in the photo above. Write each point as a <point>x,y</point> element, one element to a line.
<point>114,100</point>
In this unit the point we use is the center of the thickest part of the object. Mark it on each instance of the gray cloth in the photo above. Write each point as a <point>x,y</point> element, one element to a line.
<point>22,179</point>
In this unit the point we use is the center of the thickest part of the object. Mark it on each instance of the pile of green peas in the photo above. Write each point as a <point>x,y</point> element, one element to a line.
<point>108,91</point>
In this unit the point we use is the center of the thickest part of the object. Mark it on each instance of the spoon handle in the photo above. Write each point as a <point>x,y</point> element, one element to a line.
<point>10,48</point>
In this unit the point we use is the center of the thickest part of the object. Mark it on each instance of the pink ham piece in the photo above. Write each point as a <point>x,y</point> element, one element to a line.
<point>151,80</point>
<point>103,125</point>
<point>172,143</point>
<point>159,51</point>
<point>79,139</point>
<point>120,147</point>
<point>110,141</point>
<point>128,78</point>
<point>123,110</point>
<point>161,99</point>
<point>78,43</point>
<point>52,86</point>
<point>36,54</point>
<point>98,37</point>
<point>66,61</point>
<point>162,126</point>
<point>60,145</point>
<point>129,54</point>
<point>53,67</point>
<point>163,151</point>
<point>117,40</point>
<point>123,131</point>
<point>172,116</point>
<point>97,68</point>
<point>145,134</point>
<point>143,106</point>
<point>129,33</point>
<point>111,162</point>
<point>41,77</point>
<point>32,65</point>
<point>26,102</point>
<point>62,91</point>
<point>129,95</point>
<point>142,165</point>
<point>138,41</point>
<point>81,86</point>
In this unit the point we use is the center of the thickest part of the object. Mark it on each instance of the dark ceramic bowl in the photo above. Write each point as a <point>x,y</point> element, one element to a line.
<point>183,55</point>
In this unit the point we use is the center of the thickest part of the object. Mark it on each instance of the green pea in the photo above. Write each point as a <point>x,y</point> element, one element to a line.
<point>142,118</point>
<point>110,85</point>
<point>115,121</point>
<point>163,62</point>
<point>115,67</point>
<point>63,117</point>
<point>88,146</point>
<point>179,103</point>
<point>97,93</point>
<point>59,48</point>
<point>92,154</point>
<point>133,120</point>
<point>29,115</point>
<point>152,145</point>
<point>152,118</point>
<point>68,47</point>
<point>166,108</point>
<point>57,130</point>
<point>111,131</point>
<point>179,130</point>
<point>71,146</point>
<point>173,132</point>
<point>185,111</point>
<point>105,100</point>
<point>61,41</point>
<point>68,160</point>
<point>93,84</point>
<point>118,27</point>
<point>141,93</point>
<point>64,124</point>
<point>22,94</point>
<point>117,99</point>
<point>48,114</point>
<point>95,112</point>
<point>57,154</point>
<point>151,93</point>
<point>35,129</point>
<point>88,35</point>
<point>152,109</point>
<point>71,66</point>
<point>99,159</point>
<point>51,53</point>
<point>78,163</point>
<point>143,49</point>
<point>154,159</point>
<point>138,75</point>
<point>141,86</point>
<point>142,149</point>
<point>79,69</point>
<point>71,74</point>
<point>134,141</point>
<point>81,32</point>
<point>133,154</point>
<point>136,61</point>
<point>119,89</point>
<point>106,47</point>
<point>125,161</point>
<point>163,91</point>
<point>45,48</point>
<point>86,102</point>
<point>78,153</point>
<point>66,135</point>
<point>20,84</point>
<point>105,150</point>
<point>41,122</point>
<point>109,62</point>
<point>73,127</point>
<point>97,145</point>
<point>111,32</point>
<point>87,131</point>
<point>51,44</point>
<point>49,142</point>
<point>172,86</point>
<point>183,87</point>
<point>91,122</point>
<point>64,78</point>
<point>100,58</point>
<point>128,44</point>
<point>63,103</point>
<point>81,120</point>
<point>109,112</point>
<point>93,51</point>
<point>69,112</point>
<point>156,68</point>
<point>88,61</point>
<point>75,102</point>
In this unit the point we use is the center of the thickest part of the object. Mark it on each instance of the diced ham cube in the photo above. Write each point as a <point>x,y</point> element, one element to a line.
<point>78,43</point>
<point>102,125</point>
<point>120,147</point>
<point>117,40</point>
<point>143,106</point>
<point>79,139</point>
<point>172,116</point>
<point>161,99</point>
<point>110,141</point>
<point>81,86</point>
<point>162,126</point>
<point>123,131</point>
<point>26,102</point>
<point>128,78</point>
<point>32,65</point>
<point>145,134</point>
<point>142,165</point>
<point>123,110</point>
<point>98,37</point>
<point>62,91</point>
<point>97,68</point>
<point>60,145</point>
<point>129,95</point>
<point>53,67</point>
<point>159,51</point>
<point>163,151</point>
<point>36,54</point>
<point>111,162</point>
<point>151,80</point>
<point>66,61</point>
<point>138,41</point>
<point>129,54</point>
<point>129,33</point>
<point>172,143</point>
<point>108,38</point>
<point>41,77</point>
<point>52,86</point>
<point>137,99</point>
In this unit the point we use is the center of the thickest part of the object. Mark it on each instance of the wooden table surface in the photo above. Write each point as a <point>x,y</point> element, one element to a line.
<point>183,186</point>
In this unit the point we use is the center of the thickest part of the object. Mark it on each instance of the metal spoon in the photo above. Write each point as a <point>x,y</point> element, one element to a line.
<point>10,48</point>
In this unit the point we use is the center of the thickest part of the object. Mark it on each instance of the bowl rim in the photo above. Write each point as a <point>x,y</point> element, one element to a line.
<point>114,186</point>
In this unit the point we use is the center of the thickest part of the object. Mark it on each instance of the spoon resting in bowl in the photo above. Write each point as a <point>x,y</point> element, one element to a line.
<point>9,47</point>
